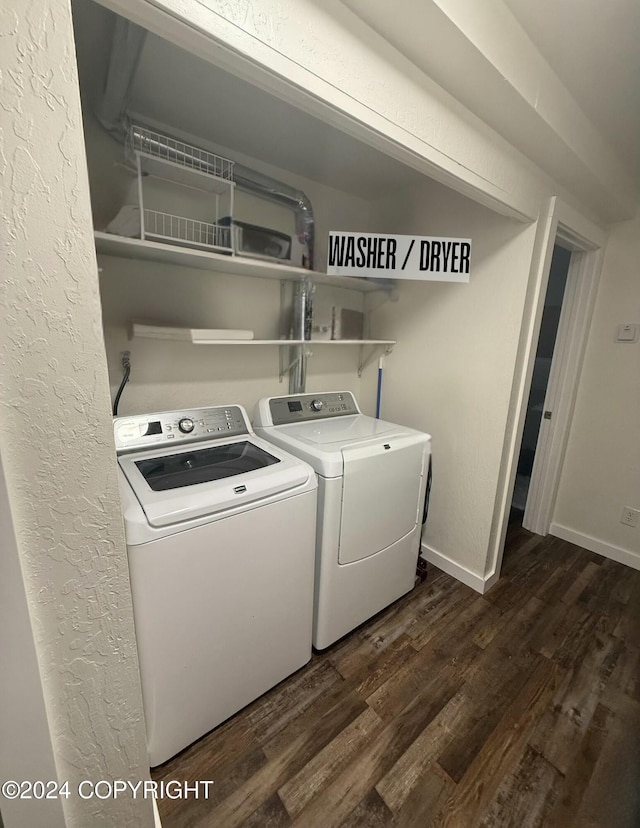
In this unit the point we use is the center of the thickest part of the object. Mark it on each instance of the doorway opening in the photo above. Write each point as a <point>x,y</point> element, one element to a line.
<point>581,244</point>
<point>540,380</point>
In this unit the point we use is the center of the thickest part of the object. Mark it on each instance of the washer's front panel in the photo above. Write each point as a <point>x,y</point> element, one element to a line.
<point>303,407</point>
<point>144,431</point>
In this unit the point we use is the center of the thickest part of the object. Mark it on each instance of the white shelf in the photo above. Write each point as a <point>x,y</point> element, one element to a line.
<point>198,336</point>
<point>122,247</point>
<point>312,342</point>
<point>194,335</point>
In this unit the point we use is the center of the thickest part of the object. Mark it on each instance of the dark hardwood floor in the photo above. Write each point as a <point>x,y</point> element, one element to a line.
<point>517,708</point>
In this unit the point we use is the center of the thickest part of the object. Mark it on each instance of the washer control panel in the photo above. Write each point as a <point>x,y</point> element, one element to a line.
<point>301,407</point>
<point>142,431</point>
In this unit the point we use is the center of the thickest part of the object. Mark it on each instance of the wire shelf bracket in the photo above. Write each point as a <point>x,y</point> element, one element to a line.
<point>300,355</point>
<point>383,349</point>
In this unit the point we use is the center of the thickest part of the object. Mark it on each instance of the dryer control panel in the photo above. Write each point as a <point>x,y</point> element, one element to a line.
<point>299,408</point>
<point>142,431</point>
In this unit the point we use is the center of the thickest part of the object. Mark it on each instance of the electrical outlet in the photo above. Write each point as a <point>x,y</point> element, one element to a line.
<point>629,516</point>
<point>125,359</point>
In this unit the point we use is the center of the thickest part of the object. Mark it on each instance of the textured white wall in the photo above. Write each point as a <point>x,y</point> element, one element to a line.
<point>26,751</point>
<point>601,471</point>
<point>451,373</point>
<point>55,435</point>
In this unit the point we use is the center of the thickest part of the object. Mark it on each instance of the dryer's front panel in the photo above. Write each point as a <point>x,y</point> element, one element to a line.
<point>380,495</point>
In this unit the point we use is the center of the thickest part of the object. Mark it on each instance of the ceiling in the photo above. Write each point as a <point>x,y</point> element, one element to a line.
<point>593,46</point>
<point>250,122</point>
<point>193,98</point>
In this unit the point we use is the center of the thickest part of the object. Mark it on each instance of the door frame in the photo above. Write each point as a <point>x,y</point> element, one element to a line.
<point>566,364</point>
<point>557,222</point>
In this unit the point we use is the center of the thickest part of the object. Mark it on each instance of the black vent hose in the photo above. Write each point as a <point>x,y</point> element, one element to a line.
<point>125,380</point>
<point>425,511</point>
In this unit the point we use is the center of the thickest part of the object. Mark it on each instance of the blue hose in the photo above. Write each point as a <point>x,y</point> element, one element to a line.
<point>379,395</point>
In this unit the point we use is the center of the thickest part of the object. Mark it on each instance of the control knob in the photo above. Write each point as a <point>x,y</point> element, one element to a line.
<point>317,405</point>
<point>186,425</point>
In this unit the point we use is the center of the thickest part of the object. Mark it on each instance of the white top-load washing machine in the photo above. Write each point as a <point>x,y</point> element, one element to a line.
<point>371,489</point>
<point>220,529</point>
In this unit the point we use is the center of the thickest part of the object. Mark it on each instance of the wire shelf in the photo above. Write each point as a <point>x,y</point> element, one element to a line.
<point>154,144</point>
<point>181,230</point>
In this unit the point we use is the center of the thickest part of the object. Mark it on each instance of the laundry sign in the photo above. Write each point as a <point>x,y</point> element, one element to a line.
<point>383,256</point>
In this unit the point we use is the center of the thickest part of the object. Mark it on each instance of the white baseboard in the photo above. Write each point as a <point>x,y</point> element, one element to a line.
<point>458,571</point>
<point>607,550</point>
<point>156,815</point>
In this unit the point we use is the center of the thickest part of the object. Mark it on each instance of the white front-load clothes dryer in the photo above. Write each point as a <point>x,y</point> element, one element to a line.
<point>220,531</point>
<point>371,489</point>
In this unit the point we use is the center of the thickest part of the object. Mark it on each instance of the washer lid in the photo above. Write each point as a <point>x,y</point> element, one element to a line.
<point>203,465</point>
<point>341,430</point>
<point>321,444</point>
<point>207,477</point>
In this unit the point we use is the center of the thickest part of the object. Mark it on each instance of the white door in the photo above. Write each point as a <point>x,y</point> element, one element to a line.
<point>381,487</point>
<point>561,391</point>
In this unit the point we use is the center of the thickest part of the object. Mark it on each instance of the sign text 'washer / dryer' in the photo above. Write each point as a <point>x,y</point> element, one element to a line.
<point>399,256</point>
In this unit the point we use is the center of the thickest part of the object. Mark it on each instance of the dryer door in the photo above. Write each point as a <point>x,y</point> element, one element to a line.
<point>380,494</point>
